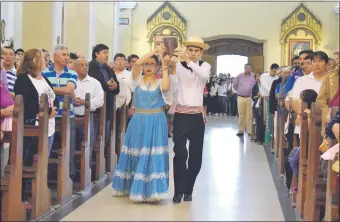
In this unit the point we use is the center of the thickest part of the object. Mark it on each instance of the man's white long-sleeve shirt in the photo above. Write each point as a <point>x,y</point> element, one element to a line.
<point>92,86</point>
<point>126,88</point>
<point>189,85</point>
<point>266,83</point>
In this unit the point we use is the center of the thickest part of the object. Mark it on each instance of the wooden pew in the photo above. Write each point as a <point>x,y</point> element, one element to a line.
<point>41,194</point>
<point>84,153</point>
<point>123,119</point>
<point>99,145</point>
<point>303,163</point>
<point>283,145</point>
<point>64,183</point>
<point>13,208</point>
<point>111,157</point>
<point>316,186</point>
<point>332,193</point>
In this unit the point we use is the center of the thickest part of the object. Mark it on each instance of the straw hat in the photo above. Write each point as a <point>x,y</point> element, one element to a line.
<point>197,42</point>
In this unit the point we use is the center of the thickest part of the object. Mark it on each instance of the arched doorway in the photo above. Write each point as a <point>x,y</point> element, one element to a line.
<point>235,45</point>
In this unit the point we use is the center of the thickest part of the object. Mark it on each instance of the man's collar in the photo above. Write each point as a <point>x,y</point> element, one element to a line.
<point>51,68</point>
<point>11,69</point>
<point>87,78</point>
<point>101,66</point>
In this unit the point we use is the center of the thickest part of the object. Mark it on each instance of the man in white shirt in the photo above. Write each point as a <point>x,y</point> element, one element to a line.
<point>267,80</point>
<point>86,84</point>
<point>124,78</point>
<point>189,81</point>
<point>311,81</point>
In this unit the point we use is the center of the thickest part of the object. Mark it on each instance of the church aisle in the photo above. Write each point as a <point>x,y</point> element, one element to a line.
<point>235,183</point>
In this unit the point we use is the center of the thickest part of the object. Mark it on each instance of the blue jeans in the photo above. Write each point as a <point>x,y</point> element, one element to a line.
<point>50,143</point>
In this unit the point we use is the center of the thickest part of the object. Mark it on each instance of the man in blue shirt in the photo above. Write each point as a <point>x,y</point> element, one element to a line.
<point>299,72</point>
<point>64,82</point>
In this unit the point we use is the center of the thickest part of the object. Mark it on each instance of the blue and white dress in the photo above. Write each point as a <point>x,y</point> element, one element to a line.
<point>142,172</point>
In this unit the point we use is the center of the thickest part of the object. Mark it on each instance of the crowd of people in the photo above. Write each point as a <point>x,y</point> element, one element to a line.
<point>220,99</point>
<point>151,86</point>
<point>167,96</point>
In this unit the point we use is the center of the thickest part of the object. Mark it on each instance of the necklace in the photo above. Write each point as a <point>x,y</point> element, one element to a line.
<point>148,86</point>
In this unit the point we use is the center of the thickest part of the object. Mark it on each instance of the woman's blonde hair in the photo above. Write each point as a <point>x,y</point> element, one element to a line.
<point>31,63</point>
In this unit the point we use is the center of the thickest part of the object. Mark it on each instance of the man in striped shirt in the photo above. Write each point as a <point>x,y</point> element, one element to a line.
<point>64,82</point>
<point>8,63</point>
<point>189,124</point>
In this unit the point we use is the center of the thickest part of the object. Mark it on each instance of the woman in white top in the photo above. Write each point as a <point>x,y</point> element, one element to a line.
<point>31,85</point>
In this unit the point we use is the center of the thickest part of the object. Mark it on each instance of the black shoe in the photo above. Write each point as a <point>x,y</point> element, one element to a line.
<point>187,197</point>
<point>177,198</point>
<point>239,134</point>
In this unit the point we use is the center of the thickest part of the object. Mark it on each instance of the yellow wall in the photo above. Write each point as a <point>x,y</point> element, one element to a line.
<point>104,24</point>
<point>36,25</point>
<point>77,26</point>
<point>260,20</point>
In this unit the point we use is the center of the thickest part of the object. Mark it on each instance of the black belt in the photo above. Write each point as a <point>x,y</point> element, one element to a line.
<point>243,96</point>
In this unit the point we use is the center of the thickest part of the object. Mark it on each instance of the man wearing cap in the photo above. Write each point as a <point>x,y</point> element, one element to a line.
<point>189,80</point>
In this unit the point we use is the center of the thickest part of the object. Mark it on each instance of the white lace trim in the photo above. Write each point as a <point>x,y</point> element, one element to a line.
<point>155,197</point>
<point>144,151</point>
<point>140,176</point>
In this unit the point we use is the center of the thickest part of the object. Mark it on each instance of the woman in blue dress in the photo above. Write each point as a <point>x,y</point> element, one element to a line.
<point>142,172</point>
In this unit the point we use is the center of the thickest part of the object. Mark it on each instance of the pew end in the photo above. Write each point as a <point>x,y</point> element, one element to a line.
<point>13,209</point>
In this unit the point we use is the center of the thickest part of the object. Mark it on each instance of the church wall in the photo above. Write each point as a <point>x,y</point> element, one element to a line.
<point>104,24</point>
<point>37,25</point>
<point>77,26</point>
<point>260,20</point>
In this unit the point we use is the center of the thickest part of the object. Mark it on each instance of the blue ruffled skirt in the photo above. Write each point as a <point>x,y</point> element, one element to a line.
<point>142,172</point>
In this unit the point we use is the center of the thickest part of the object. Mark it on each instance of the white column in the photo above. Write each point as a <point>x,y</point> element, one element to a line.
<point>116,29</point>
<point>7,14</point>
<point>18,25</point>
<point>125,32</point>
<point>92,28</point>
<point>57,23</point>
<point>337,8</point>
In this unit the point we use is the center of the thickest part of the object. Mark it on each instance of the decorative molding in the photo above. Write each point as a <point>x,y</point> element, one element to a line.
<point>3,31</point>
<point>127,5</point>
<point>301,19</point>
<point>233,46</point>
<point>166,21</point>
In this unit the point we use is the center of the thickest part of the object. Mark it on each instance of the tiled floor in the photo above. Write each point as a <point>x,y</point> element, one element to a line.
<point>235,184</point>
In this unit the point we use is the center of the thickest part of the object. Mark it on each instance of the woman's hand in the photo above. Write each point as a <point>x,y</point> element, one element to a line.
<point>160,49</point>
<point>166,62</point>
<point>7,112</point>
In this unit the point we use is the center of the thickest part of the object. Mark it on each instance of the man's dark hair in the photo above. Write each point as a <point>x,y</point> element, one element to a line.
<point>73,56</point>
<point>19,50</point>
<point>321,55</point>
<point>119,55</point>
<point>309,57</point>
<point>307,51</point>
<point>295,58</point>
<point>132,56</point>
<point>98,48</point>
<point>274,66</point>
<point>8,47</point>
